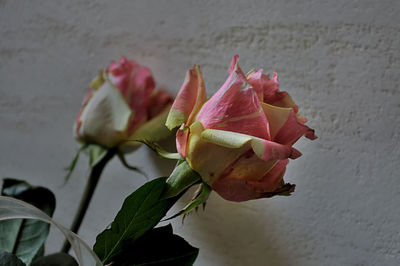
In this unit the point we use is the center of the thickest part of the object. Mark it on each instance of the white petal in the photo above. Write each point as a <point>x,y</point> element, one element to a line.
<point>106,117</point>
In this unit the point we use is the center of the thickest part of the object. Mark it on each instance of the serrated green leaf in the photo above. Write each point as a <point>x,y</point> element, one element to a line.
<point>180,179</point>
<point>25,238</point>
<point>8,259</point>
<point>59,259</point>
<point>140,212</point>
<point>159,246</point>
<point>11,208</point>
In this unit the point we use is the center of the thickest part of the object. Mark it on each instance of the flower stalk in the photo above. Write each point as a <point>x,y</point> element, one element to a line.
<point>88,194</point>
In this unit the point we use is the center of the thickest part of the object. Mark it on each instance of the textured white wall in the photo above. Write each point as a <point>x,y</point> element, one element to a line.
<point>339,59</point>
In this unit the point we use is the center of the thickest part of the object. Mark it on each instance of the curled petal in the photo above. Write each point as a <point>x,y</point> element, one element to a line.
<point>189,100</point>
<point>292,130</point>
<point>270,90</point>
<point>276,116</point>
<point>235,107</point>
<point>182,137</point>
<point>271,184</point>
<point>207,158</point>
<point>265,149</point>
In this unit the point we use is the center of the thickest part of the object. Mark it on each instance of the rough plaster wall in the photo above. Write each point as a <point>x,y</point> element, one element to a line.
<point>340,60</point>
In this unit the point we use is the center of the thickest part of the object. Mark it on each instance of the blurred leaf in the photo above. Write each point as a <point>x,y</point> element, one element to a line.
<point>180,179</point>
<point>11,208</point>
<point>140,212</point>
<point>56,259</point>
<point>7,259</point>
<point>159,246</point>
<point>25,238</point>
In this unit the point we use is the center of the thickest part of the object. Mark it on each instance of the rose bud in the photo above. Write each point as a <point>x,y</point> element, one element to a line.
<point>122,105</point>
<point>240,139</point>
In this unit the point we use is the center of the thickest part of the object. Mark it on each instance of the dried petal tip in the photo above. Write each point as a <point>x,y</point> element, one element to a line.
<point>235,58</point>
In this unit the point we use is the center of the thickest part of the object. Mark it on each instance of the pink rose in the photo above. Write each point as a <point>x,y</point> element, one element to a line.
<point>122,105</point>
<point>241,138</point>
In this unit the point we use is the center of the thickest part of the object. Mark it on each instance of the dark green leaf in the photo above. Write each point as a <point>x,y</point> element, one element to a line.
<point>25,238</point>
<point>140,212</point>
<point>56,259</point>
<point>159,246</point>
<point>180,179</point>
<point>7,259</point>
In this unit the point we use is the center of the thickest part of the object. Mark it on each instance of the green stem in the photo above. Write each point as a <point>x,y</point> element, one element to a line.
<point>87,194</point>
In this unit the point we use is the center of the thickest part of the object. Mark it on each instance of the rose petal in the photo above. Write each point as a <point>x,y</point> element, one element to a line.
<point>248,166</point>
<point>235,107</point>
<point>136,84</point>
<point>105,117</point>
<point>207,158</point>
<point>234,60</point>
<point>189,100</point>
<point>152,130</point>
<point>292,130</point>
<point>78,120</point>
<point>276,116</point>
<point>270,88</point>
<point>182,137</point>
<point>242,190</point>
<point>158,102</point>
<point>265,149</point>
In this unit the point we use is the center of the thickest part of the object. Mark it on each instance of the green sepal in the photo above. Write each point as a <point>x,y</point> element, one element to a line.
<point>25,238</point>
<point>181,178</point>
<point>122,158</point>
<point>160,151</point>
<point>199,198</point>
<point>96,153</point>
<point>72,165</point>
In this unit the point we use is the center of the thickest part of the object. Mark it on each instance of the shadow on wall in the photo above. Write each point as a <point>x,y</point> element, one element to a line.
<point>225,227</point>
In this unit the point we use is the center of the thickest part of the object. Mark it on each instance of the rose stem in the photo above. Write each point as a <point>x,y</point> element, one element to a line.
<point>87,194</point>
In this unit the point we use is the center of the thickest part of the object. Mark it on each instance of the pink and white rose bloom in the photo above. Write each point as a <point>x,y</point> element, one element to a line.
<point>240,139</point>
<point>122,105</point>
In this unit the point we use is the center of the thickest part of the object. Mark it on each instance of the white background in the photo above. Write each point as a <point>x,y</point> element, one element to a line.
<point>340,60</point>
